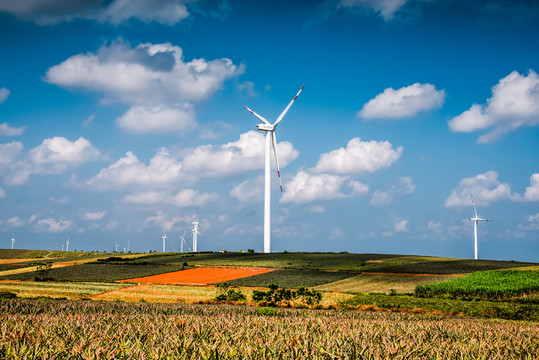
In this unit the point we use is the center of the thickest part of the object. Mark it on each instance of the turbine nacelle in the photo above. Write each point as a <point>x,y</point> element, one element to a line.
<point>265,127</point>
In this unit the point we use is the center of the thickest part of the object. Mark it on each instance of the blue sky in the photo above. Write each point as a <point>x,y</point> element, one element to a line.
<point>120,120</point>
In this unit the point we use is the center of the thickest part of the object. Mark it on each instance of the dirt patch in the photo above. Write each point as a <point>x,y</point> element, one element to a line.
<point>17,261</point>
<point>201,275</point>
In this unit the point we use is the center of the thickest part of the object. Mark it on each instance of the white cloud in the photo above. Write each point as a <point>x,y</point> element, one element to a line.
<point>317,209</point>
<point>15,222</point>
<point>6,130</point>
<point>86,122</point>
<point>435,227</point>
<point>359,156</point>
<point>235,158</point>
<point>401,226</point>
<point>65,200</point>
<point>150,74</point>
<point>162,221</point>
<point>403,103</point>
<point>93,216</point>
<point>145,198</point>
<point>531,224</point>
<point>51,12</point>
<point>53,226</point>
<point>514,103</point>
<point>484,188</point>
<point>2,193</point>
<point>248,87</point>
<point>190,197</point>
<point>305,188</point>
<point>53,156</point>
<point>158,119</point>
<point>336,233</point>
<point>532,191</point>
<point>4,93</point>
<point>386,8</point>
<point>163,169</point>
<point>404,186</point>
<point>249,190</point>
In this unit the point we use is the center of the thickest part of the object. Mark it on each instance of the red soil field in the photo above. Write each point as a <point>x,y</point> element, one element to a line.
<point>201,275</point>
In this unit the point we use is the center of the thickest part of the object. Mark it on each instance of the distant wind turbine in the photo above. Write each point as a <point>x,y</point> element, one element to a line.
<point>13,242</point>
<point>271,141</point>
<point>475,220</point>
<point>164,237</point>
<point>182,239</point>
<point>195,234</point>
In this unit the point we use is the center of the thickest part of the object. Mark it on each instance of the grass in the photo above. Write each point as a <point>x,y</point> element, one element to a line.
<point>96,272</point>
<point>75,329</point>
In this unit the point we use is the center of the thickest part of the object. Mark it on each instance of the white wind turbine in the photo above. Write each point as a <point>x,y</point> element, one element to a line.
<point>271,141</point>
<point>13,242</point>
<point>182,239</point>
<point>164,237</point>
<point>195,234</point>
<point>475,220</point>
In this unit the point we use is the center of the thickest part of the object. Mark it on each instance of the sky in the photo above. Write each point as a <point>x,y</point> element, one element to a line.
<point>121,120</point>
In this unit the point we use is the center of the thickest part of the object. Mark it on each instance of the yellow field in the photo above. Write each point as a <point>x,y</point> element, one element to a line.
<point>381,283</point>
<point>72,291</point>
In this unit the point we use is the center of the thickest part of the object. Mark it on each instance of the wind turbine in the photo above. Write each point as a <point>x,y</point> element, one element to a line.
<point>13,242</point>
<point>475,220</point>
<point>67,244</point>
<point>195,234</point>
<point>164,237</point>
<point>182,239</point>
<point>271,141</point>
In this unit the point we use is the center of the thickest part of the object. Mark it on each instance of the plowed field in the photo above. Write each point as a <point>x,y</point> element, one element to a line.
<point>201,275</point>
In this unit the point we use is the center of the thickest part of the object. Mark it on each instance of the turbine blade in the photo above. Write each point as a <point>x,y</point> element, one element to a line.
<point>274,145</point>
<point>474,209</point>
<point>258,116</point>
<point>288,107</point>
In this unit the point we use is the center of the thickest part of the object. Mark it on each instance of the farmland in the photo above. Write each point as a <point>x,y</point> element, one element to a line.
<point>74,329</point>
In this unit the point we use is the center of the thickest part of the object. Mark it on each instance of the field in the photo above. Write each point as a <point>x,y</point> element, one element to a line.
<point>91,330</point>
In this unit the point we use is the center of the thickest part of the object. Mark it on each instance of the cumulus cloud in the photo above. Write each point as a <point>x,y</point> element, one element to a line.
<point>158,119</point>
<point>6,130</point>
<point>191,197</point>
<point>532,191</point>
<point>305,188</point>
<point>532,223</point>
<point>53,226</point>
<point>359,156</point>
<point>484,188</point>
<point>403,103</point>
<point>93,216</point>
<point>386,8</point>
<point>401,226</point>
<point>514,103</point>
<point>53,156</point>
<point>234,158</point>
<point>127,171</point>
<point>404,186</point>
<point>249,190</point>
<point>150,74</point>
<point>15,222</point>
<point>51,12</point>
<point>4,93</point>
<point>162,221</point>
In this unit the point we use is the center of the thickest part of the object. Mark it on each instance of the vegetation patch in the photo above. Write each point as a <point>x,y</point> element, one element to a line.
<point>96,272</point>
<point>485,284</point>
<point>75,291</point>
<point>88,329</point>
<point>279,296</point>
<point>293,278</point>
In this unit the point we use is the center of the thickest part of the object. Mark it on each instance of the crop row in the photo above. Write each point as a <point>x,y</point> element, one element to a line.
<point>485,284</point>
<point>98,330</point>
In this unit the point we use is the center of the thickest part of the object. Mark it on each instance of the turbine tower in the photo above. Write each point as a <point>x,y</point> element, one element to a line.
<point>475,220</point>
<point>13,242</point>
<point>67,244</point>
<point>164,237</point>
<point>182,239</point>
<point>195,234</point>
<point>271,141</point>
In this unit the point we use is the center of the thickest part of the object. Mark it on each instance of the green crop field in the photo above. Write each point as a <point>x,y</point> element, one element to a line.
<point>31,329</point>
<point>292,278</point>
<point>486,284</point>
